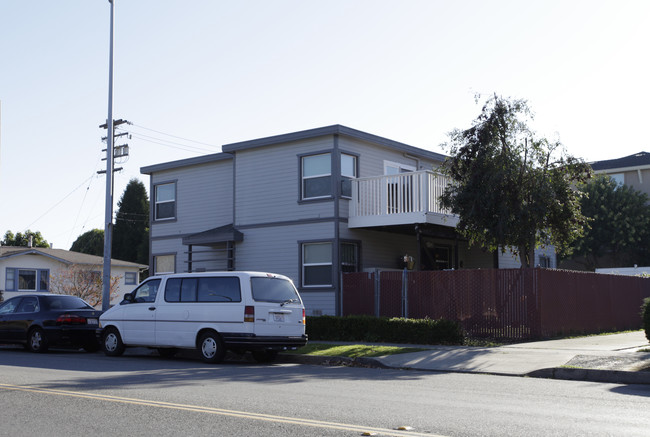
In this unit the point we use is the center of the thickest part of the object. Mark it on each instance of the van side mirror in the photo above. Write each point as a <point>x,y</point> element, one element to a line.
<point>128,298</point>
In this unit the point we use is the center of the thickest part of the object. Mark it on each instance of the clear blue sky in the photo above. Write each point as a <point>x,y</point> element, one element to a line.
<point>217,72</point>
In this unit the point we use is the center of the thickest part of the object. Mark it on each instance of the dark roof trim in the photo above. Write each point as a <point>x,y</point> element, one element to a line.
<point>215,157</point>
<point>221,234</point>
<point>640,159</point>
<point>336,129</point>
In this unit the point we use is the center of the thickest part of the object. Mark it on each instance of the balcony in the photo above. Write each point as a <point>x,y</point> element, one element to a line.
<point>405,198</point>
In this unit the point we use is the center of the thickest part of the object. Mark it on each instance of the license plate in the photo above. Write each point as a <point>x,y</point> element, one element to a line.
<point>91,321</point>
<point>278,317</point>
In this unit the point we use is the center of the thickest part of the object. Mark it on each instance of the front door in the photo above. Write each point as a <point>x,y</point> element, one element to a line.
<point>399,187</point>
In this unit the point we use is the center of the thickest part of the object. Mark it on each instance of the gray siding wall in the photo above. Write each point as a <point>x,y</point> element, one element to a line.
<point>381,249</point>
<point>372,157</point>
<point>168,247</point>
<point>268,184</point>
<point>276,249</point>
<point>203,198</point>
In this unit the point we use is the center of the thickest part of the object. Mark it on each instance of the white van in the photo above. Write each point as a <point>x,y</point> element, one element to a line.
<point>211,312</point>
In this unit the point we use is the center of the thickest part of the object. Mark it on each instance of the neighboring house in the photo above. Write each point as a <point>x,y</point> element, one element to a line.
<point>633,170</point>
<point>31,269</point>
<point>310,205</point>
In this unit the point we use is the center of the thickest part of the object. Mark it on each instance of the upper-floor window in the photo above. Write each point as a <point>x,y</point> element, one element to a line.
<point>317,176</point>
<point>619,178</point>
<point>165,201</point>
<point>348,172</point>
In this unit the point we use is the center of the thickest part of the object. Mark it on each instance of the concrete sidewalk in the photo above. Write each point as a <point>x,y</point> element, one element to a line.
<point>604,358</point>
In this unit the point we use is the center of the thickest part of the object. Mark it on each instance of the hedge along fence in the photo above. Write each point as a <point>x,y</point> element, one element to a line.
<point>384,329</point>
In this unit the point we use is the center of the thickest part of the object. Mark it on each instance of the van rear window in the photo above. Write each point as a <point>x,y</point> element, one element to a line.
<point>203,289</point>
<point>273,290</point>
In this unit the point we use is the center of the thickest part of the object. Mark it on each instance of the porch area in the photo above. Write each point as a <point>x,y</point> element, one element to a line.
<point>405,198</point>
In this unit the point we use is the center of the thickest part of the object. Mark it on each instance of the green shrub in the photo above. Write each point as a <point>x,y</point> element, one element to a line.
<point>645,313</point>
<point>384,330</point>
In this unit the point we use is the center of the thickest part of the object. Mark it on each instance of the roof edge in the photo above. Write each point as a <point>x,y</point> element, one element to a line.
<point>170,165</point>
<point>335,129</point>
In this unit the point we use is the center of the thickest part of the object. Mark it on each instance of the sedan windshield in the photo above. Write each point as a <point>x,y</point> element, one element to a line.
<point>53,303</point>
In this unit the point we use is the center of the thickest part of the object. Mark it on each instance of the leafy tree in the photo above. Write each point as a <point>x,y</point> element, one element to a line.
<point>91,242</point>
<point>21,239</point>
<point>619,231</point>
<point>131,231</point>
<point>84,282</point>
<point>511,189</point>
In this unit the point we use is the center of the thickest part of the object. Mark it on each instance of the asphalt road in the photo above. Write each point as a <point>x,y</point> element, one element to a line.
<point>80,394</point>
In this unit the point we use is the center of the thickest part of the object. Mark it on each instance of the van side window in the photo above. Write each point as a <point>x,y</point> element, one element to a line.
<point>173,290</point>
<point>147,291</point>
<point>188,290</point>
<point>222,289</point>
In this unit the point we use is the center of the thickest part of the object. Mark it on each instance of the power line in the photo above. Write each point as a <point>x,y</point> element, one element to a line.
<point>174,136</point>
<point>170,144</point>
<point>59,202</point>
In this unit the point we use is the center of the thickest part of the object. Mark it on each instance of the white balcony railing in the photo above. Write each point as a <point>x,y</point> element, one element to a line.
<point>399,199</point>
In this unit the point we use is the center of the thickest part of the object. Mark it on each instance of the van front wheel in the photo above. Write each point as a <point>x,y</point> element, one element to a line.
<point>211,348</point>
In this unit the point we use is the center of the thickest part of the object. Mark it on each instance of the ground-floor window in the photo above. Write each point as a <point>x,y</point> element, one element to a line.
<point>349,257</point>
<point>316,264</point>
<point>164,264</point>
<point>27,279</point>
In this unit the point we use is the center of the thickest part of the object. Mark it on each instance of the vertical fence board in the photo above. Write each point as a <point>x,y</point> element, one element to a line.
<point>508,304</point>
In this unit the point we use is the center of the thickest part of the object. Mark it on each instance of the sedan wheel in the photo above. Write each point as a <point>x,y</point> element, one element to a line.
<point>37,341</point>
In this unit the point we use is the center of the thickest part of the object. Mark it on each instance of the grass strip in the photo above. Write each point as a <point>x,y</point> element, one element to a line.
<point>352,350</point>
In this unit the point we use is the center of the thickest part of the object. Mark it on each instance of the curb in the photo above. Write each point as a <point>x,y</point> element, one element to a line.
<point>560,373</point>
<point>592,375</point>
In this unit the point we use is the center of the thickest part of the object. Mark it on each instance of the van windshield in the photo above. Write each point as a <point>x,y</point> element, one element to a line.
<point>273,290</point>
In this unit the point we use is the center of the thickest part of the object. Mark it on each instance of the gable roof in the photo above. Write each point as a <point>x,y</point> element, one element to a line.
<point>336,129</point>
<point>632,162</point>
<point>64,256</point>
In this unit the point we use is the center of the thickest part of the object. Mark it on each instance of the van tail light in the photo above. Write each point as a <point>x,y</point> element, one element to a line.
<point>249,313</point>
<point>70,319</point>
<point>304,320</point>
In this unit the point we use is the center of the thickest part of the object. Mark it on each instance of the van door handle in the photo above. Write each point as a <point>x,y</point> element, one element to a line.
<point>152,308</point>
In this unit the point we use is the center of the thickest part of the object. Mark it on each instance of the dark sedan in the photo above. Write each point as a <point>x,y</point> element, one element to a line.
<point>41,321</point>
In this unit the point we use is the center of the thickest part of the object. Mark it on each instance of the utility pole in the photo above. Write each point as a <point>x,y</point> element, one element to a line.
<point>110,140</point>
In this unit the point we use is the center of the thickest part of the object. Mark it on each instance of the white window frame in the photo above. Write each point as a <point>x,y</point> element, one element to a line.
<point>401,168</point>
<point>157,202</point>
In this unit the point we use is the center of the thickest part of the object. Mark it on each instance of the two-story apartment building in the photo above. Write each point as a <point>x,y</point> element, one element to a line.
<point>632,170</point>
<point>310,205</point>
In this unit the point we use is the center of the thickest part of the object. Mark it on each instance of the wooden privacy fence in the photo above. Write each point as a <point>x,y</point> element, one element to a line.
<point>507,304</point>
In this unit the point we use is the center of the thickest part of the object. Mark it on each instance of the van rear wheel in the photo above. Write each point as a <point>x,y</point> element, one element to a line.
<point>211,347</point>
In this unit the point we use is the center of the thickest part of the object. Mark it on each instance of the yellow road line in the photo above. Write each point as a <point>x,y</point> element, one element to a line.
<point>219,411</point>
